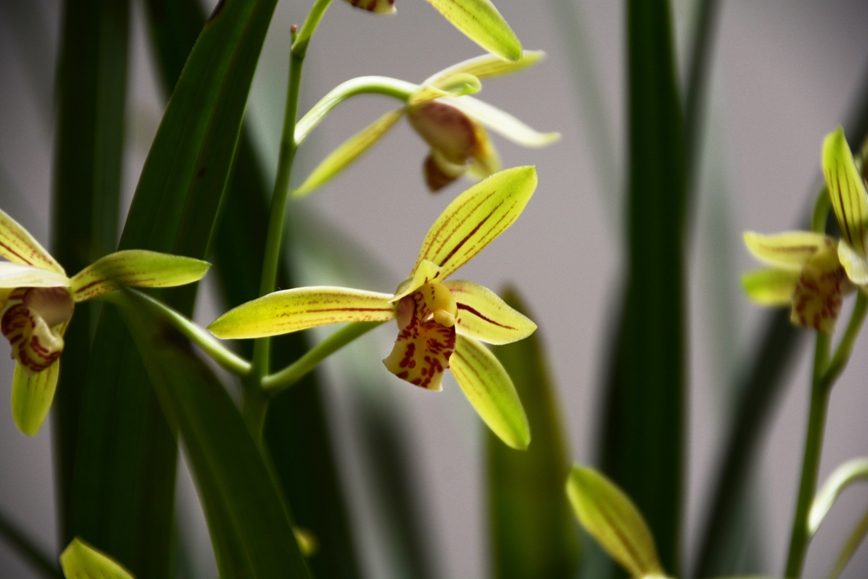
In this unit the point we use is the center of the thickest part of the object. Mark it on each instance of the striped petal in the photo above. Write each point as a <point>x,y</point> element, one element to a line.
<point>18,246</point>
<point>483,24</point>
<point>14,275</point>
<point>486,66</point>
<point>298,309</point>
<point>770,287</point>
<point>786,250</point>
<point>846,190</point>
<point>136,268</point>
<point>348,152</point>
<point>475,218</point>
<point>490,390</point>
<point>484,316</point>
<point>854,264</point>
<point>81,561</point>
<point>501,122</point>
<point>32,395</point>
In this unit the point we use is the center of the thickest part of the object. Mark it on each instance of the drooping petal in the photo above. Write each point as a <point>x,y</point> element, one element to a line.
<point>297,309</point>
<point>81,561</point>
<point>376,6</point>
<point>422,353</point>
<point>32,395</point>
<point>18,246</point>
<point>786,250</point>
<point>486,66</point>
<point>136,268</point>
<point>502,123</point>
<point>349,151</point>
<point>14,275</point>
<point>846,190</point>
<point>771,286</point>
<point>854,264</point>
<point>819,292</point>
<point>475,218</point>
<point>483,24</point>
<point>490,390</point>
<point>484,316</point>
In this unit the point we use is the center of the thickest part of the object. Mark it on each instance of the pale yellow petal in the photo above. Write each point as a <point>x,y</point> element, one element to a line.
<point>32,396</point>
<point>297,309</point>
<point>483,24</point>
<point>501,122</point>
<point>14,275</point>
<point>846,190</point>
<point>788,250</point>
<point>484,316</point>
<point>854,264</point>
<point>17,245</point>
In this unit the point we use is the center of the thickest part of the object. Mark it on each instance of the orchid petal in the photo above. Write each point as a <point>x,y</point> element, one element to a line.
<point>349,151</point>
<point>421,353</point>
<point>613,520</point>
<point>501,122</point>
<point>482,315</point>
<point>81,561</point>
<point>136,268</point>
<point>14,275</point>
<point>424,272</point>
<point>854,264</point>
<point>32,396</point>
<point>297,309</point>
<point>786,250</point>
<point>770,287</point>
<point>483,24</point>
<point>375,6</point>
<point>819,293</point>
<point>18,246</point>
<point>455,85</point>
<point>846,190</point>
<point>490,390</point>
<point>475,218</point>
<point>486,66</point>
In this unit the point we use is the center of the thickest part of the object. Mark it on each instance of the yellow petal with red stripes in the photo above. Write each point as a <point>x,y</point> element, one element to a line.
<point>846,190</point>
<point>790,250</point>
<point>18,246</point>
<point>484,316</point>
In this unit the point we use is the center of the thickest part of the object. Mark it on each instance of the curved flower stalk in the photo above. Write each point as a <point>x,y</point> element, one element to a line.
<point>37,300</point>
<point>479,20</point>
<point>813,271</point>
<point>440,323</point>
<point>443,113</point>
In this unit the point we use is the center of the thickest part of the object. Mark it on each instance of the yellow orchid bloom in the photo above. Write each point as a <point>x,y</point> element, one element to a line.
<point>812,271</point>
<point>37,300</point>
<point>450,121</point>
<point>440,323</point>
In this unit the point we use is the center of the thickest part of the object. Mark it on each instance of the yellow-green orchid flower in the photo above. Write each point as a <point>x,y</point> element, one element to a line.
<point>812,271</point>
<point>37,300</point>
<point>479,20</point>
<point>440,323</point>
<point>451,122</point>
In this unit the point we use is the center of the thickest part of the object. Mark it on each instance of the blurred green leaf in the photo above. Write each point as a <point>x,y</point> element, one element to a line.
<point>125,466</point>
<point>614,521</point>
<point>91,99</point>
<point>18,541</point>
<point>531,531</point>
<point>248,522</point>
<point>643,439</point>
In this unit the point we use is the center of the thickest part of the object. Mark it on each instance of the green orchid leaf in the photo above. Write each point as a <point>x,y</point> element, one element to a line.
<point>482,315</point>
<point>788,250</point>
<point>486,66</point>
<point>614,521</point>
<point>854,264</point>
<point>248,521</point>
<point>855,470</point>
<point>81,561</point>
<point>532,531</point>
<point>32,395</point>
<point>13,275</point>
<point>292,310</point>
<point>490,390</point>
<point>18,246</point>
<point>349,151</point>
<point>850,546</point>
<point>483,24</point>
<point>502,123</point>
<point>136,268</point>
<point>846,190</point>
<point>475,218</point>
<point>771,286</point>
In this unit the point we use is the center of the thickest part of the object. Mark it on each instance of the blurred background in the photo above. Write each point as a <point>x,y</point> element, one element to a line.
<point>784,73</point>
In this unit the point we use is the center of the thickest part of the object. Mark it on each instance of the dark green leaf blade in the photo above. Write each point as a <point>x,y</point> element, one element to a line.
<point>532,532</point>
<point>248,521</point>
<point>644,434</point>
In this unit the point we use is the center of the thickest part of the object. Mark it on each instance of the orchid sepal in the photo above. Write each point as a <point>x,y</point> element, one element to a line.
<point>484,316</point>
<point>854,264</point>
<point>18,246</point>
<point>32,395</point>
<point>480,21</point>
<point>846,191</point>
<point>82,561</point>
<point>770,286</point>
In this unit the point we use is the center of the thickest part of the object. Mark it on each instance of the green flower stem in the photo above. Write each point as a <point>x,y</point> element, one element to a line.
<point>827,369</point>
<point>383,85</point>
<point>280,381</point>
